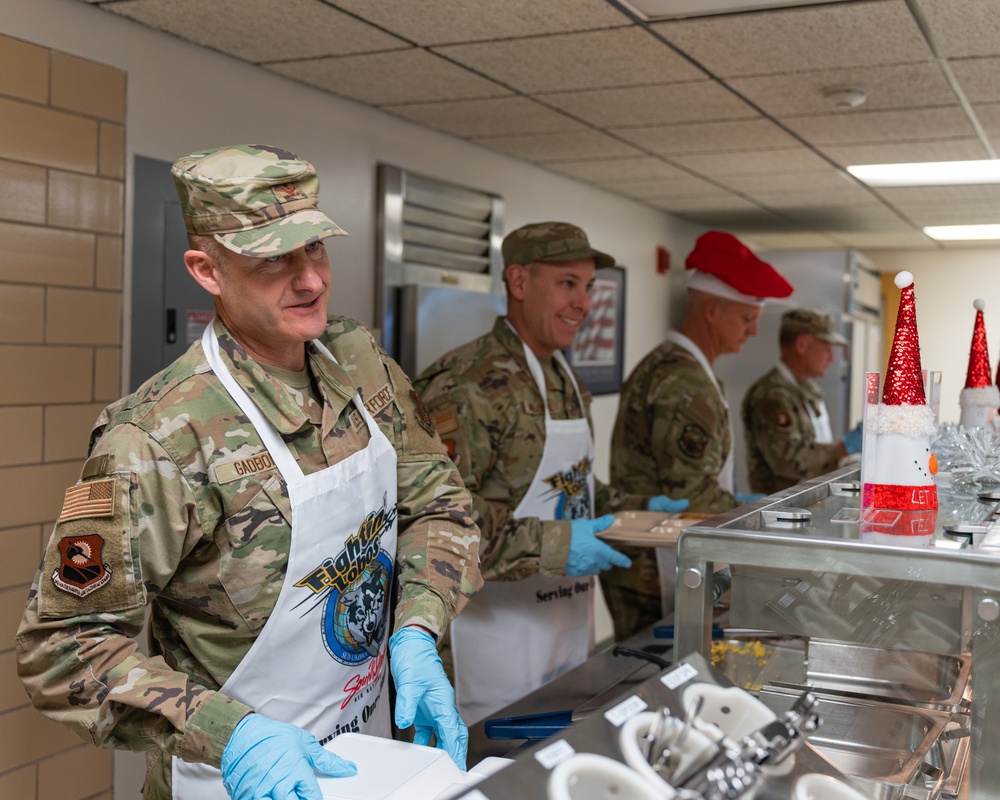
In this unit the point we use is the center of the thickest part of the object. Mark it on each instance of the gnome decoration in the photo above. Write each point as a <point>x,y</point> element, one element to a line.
<point>899,494</point>
<point>980,398</point>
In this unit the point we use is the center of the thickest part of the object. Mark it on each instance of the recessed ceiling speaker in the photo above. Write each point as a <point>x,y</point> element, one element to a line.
<point>845,97</point>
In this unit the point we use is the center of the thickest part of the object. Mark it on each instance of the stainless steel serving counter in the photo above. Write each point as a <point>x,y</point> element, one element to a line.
<point>805,564</point>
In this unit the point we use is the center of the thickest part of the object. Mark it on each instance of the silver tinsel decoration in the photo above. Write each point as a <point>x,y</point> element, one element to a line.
<point>970,455</point>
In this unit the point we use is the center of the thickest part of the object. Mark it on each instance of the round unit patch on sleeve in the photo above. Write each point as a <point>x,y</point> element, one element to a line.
<point>783,419</point>
<point>693,440</point>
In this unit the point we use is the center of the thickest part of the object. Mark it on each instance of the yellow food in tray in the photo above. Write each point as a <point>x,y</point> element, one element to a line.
<point>741,660</point>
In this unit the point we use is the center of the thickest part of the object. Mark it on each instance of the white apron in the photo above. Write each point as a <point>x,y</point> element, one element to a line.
<point>822,429</point>
<point>727,475</point>
<point>320,660</point>
<point>516,635</point>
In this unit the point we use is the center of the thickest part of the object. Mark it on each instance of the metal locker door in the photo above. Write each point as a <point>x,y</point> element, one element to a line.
<point>169,310</point>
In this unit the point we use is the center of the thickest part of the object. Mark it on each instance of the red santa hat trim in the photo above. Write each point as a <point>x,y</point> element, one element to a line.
<point>726,267</point>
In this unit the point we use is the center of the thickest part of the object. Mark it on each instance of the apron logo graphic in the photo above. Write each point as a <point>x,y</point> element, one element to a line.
<point>352,588</point>
<point>81,571</point>
<point>572,491</point>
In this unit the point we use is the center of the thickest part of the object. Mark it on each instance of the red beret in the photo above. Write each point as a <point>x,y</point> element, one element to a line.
<point>732,262</point>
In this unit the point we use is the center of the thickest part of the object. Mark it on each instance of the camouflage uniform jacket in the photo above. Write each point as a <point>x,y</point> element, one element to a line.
<point>197,529</point>
<point>781,442</point>
<point>490,415</point>
<point>672,432</point>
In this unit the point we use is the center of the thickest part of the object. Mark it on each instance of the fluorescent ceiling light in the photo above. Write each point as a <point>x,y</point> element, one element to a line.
<point>931,173</point>
<point>957,233</point>
<point>653,10</point>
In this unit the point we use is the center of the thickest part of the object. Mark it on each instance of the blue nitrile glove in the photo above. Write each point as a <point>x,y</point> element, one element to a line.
<point>588,555</point>
<point>267,758</point>
<point>663,503</point>
<point>852,439</point>
<point>747,498</point>
<point>424,696</point>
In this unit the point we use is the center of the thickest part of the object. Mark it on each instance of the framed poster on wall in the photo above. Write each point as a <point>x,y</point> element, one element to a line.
<point>598,350</point>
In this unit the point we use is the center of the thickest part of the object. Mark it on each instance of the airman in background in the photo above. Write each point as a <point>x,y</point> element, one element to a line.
<point>673,434</point>
<point>785,420</point>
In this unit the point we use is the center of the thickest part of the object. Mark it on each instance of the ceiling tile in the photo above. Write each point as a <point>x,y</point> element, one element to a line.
<point>946,205</point>
<point>653,105</point>
<point>621,169</point>
<point>684,186</point>
<point>792,240</point>
<point>575,86</point>
<point>891,86</point>
<point>792,40</point>
<point>722,165</point>
<point>500,116</point>
<point>905,152</point>
<point>825,179</point>
<point>552,147</point>
<point>989,118</point>
<point>432,22</point>
<point>858,197</point>
<point>886,240</point>
<point>865,127</point>
<point>979,78</point>
<point>235,26</point>
<point>964,27</point>
<point>742,222</point>
<point>400,76</point>
<point>720,202</point>
<point>709,137</point>
<point>836,219</point>
<point>957,214</point>
<point>592,60</point>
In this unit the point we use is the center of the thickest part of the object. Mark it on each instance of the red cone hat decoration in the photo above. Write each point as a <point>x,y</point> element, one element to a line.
<point>904,380</point>
<point>898,475</point>
<point>980,398</point>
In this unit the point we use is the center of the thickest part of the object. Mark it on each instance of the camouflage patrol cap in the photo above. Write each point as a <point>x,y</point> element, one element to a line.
<point>804,320</point>
<point>256,200</point>
<point>552,243</point>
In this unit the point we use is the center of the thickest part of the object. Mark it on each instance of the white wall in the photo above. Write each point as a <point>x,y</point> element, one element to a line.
<point>946,283</point>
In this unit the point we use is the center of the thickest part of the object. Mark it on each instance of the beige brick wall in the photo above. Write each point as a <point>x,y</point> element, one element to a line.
<point>62,166</point>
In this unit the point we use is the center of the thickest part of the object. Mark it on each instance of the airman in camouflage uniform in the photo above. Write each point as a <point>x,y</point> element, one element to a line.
<point>672,433</point>
<point>491,415</point>
<point>181,510</point>
<point>784,418</point>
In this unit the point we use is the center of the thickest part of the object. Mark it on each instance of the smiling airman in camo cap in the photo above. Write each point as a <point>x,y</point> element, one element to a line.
<point>254,199</point>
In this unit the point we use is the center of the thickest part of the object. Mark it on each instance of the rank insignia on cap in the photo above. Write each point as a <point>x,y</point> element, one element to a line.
<point>81,570</point>
<point>287,192</point>
<point>782,419</point>
<point>421,413</point>
<point>95,499</point>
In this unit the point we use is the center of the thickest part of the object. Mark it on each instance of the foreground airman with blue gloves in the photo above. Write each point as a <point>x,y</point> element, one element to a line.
<point>278,501</point>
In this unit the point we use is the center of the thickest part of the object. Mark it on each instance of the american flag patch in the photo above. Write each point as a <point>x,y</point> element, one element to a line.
<point>96,499</point>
